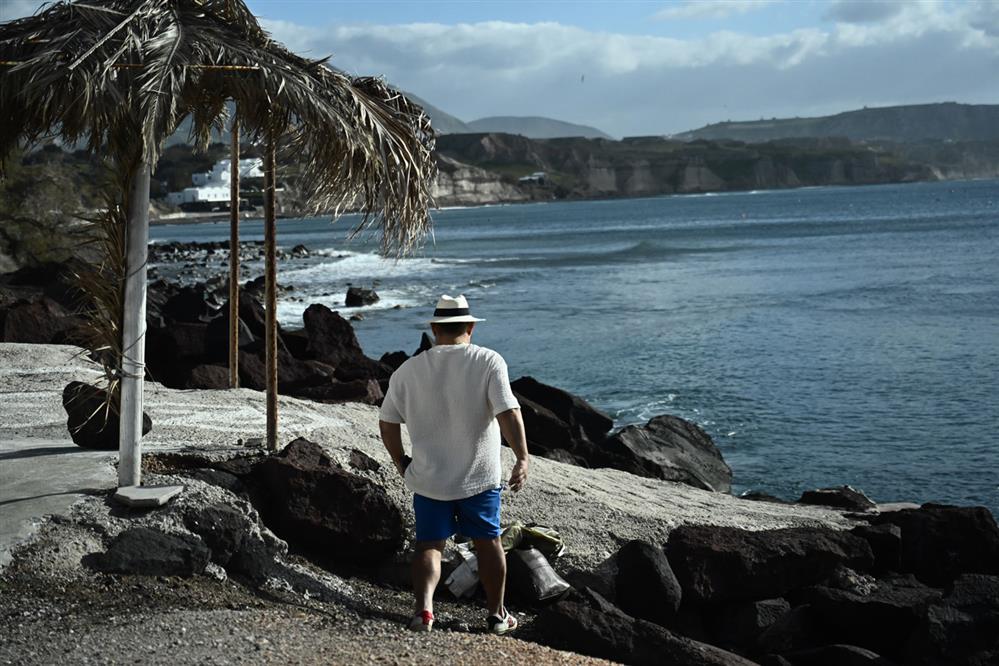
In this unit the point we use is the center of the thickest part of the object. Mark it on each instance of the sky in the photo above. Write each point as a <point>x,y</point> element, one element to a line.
<point>634,68</point>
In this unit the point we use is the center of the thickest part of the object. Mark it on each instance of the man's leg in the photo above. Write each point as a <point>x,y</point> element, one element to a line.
<point>492,572</point>
<point>426,573</point>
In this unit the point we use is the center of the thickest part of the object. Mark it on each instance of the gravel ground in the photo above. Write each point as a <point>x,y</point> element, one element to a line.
<point>54,611</point>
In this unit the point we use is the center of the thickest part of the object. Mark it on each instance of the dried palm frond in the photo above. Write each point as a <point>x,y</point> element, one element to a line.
<point>89,71</point>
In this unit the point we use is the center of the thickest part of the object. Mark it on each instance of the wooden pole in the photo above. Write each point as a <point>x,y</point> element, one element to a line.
<point>133,331</point>
<point>270,278</point>
<point>234,259</point>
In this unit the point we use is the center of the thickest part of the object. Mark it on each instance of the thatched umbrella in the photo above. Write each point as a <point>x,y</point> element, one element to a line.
<point>121,74</point>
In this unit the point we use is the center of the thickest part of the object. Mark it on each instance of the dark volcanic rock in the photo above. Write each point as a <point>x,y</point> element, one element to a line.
<point>312,503</point>
<point>294,375</point>
<point>357,296</point>
<point>605,631</point>
<point>43,321</point>
<point>89,424</point>
<point>187,305</point>
<point>149,552</point>
<point>941,542</point>
<point>394,359</point>
<point>331,337</point>
<point>836,655</point>
<point>962,628</point>
<point>358,390</point>
<point>332,341</point>
<point>843,497</point>
<point>886,543</point>
<point>222,528</point>
<point>425,343</point>
<point>796,629</point>
<point>645,586</point>
<point>723,564</point>
<point>738,625</point>
<point>882,620</point>
<point>572,410</point>
<point>670,448</point>
<point>207,377</point>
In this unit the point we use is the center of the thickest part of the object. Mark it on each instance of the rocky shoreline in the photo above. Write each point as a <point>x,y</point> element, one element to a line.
<point>665,563</point>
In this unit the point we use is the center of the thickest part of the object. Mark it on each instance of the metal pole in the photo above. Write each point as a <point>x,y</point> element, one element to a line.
<point>133,330</point>
<point>270,277</point>
<point>234,259</point>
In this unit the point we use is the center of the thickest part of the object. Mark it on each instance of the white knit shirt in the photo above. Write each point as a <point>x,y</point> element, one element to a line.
<point>449,397</point>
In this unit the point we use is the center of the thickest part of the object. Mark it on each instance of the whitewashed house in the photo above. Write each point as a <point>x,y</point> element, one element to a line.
<point>213,187</point>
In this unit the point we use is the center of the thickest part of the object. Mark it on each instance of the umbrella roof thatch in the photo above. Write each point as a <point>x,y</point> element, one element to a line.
<point>121,75</point>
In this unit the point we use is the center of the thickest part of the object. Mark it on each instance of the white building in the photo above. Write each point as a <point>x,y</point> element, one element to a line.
<point>536,177</point>
<point>213,187</point>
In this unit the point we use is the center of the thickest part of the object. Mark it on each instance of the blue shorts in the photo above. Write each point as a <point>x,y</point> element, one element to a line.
<point>476,517</point>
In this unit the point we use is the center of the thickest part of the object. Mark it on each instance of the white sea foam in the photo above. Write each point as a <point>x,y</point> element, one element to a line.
<point>290,308</point>
<point>357,267</point>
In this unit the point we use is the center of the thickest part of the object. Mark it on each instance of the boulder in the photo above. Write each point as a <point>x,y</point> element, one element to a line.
<point>394,359</point>
<point>551,437</point>
<point>941,542</point>
<point>357,296</point>
<point>207,377</point>
<point>178,340</point>
<point>294,375</point>
<point>217,337</point>
<point>90,424</point>
<point>426,342</point>
<point>796,629</point>
<point>669,448</point>
<point>725,564</point>
<point>358,390</point>
<point>645,586</point>
<point>235,538</point>
<point>886,544</point>
<point>332,340</point>
<point>882,620</point>
<point>299,251</point>
<point>835,655</point>
<point>188,304</point>
<point>150,552</point>
<point>962,628</point>
<point>317,506</point>
<point>568,408</point>
<point>331,337</point>
<point>738,625</point>
<point>599,629</point>
<point>842,497</point>
<point>42,321</point>
<point>55,280</point>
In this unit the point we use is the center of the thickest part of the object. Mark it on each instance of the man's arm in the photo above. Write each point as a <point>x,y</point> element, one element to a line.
<point>511,424</point>
<point>392,439</point>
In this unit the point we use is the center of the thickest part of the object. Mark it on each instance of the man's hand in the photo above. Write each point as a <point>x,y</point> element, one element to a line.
<point>519,475</point>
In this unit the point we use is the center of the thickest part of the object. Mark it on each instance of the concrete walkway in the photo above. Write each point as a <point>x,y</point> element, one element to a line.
<point>39,477</point>
<point>41,471</point>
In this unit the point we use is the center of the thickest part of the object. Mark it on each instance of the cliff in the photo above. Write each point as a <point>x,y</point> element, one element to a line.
<point>917,122</point>
<point>579,168</point>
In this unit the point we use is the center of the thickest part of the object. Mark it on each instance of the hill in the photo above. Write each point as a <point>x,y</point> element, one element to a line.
<point>442,121</point>
<point>948,121</point>
<point>534,127</point>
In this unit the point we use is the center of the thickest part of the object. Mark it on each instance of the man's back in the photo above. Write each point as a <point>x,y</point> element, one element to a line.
<point>448,397</point>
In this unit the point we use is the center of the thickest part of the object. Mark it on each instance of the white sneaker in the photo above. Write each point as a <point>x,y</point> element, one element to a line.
<point>422,621</point>
<point>502,625</point>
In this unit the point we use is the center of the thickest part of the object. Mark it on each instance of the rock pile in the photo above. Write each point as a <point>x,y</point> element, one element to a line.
<point>914,586</point>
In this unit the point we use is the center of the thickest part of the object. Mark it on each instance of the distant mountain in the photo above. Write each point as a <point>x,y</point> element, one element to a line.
<point>534,127</point>
<point>442,121</point>
<point>905,124</point>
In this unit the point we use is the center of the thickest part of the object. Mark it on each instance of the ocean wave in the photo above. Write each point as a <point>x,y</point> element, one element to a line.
<point>290,309</point>
<point>357,267</point>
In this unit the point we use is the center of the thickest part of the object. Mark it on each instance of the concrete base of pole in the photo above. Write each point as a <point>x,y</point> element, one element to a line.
<point>146,496</point>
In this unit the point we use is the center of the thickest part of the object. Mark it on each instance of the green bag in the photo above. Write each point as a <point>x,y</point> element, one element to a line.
<point>546,539</point>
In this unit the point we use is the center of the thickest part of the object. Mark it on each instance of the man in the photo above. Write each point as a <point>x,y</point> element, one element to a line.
<point>455,399</point>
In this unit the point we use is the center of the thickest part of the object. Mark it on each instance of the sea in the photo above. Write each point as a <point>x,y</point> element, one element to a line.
<point>821,336</point>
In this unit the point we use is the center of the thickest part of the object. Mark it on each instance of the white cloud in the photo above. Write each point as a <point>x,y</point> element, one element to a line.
<point>710,9</point>
<point>634,84</point>
<point>863,11</point>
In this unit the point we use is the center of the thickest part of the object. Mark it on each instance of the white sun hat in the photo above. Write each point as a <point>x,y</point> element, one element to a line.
<point>452,310</point>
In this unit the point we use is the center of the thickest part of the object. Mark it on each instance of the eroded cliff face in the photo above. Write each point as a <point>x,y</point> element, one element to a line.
<point>483,168</point>
<point>460,184</point>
